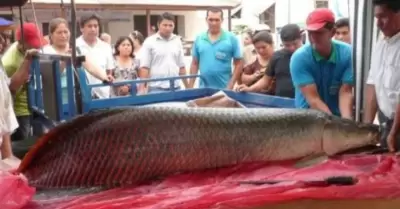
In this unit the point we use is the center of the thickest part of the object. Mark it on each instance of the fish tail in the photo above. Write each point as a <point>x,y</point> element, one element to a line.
<point>83,120</point>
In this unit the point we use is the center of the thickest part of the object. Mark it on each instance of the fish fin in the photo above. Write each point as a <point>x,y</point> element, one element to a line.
<point>310,160</point>
<point>82,120</point>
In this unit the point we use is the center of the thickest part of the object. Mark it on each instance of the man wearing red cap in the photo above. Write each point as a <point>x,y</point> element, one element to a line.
<point>322,70</point>
<point>16,62</point>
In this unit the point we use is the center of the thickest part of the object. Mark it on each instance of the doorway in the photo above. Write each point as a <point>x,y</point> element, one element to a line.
<point>139,23</point>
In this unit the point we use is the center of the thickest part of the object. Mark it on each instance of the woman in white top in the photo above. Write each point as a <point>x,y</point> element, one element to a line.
<point>59,35</point>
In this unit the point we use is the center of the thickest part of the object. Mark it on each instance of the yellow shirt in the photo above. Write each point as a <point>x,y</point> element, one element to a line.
<point>12,60</point>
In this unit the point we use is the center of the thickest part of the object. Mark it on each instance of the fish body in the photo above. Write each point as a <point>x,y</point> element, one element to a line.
<point>134,145</point>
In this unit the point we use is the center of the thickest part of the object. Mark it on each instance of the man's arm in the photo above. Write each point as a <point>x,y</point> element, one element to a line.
<point>303,79</point>
<point>182,65</point>
<point>346,101</point>
<point>194,66</point>
<point>237,63</point>
<point>6,149</point>
<point>93,69</point>
<point>371,104</point>
<point>110,63</point>
<point>346,91</point>
<point>396,121</point>
<point>145,62</point>
<point>18,77</point>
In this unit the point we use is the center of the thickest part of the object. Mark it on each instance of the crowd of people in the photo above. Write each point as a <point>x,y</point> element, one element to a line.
<point>318,74</point>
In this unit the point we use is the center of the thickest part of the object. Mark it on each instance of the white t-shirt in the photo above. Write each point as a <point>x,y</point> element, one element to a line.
<point>100,54</point>
<point>385,74</point>
<point>8,120</point>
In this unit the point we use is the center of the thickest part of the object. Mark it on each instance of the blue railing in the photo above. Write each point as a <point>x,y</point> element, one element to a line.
<point>66,110</point>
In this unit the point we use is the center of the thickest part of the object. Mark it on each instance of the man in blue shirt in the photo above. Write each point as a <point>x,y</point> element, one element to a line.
<point>322,70</point>
<point>213,52</point>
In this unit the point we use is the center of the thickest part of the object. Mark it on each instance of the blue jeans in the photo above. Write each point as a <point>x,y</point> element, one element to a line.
<point>161,90</point>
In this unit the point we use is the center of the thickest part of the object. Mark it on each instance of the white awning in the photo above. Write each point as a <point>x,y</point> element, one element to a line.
<point>236,9</point>
<point>194,3</point>
<point>255,8</point>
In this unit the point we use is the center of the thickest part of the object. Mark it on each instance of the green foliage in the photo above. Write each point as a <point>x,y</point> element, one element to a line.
<point>240,29</point>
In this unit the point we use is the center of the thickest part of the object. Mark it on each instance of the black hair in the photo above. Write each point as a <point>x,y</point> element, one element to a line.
<point>86,18</point>
<point>344,22</point>
<point>138,36</point>
<point>166,16</point>
<point>290,32</point>
<point>215,10</point>
<point>263,36</point>
<point>329,25</point>
<point>119,42</point>
<point>393,5</point>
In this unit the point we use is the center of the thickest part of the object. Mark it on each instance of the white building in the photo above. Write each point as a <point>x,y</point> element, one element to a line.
<point>120,17</point>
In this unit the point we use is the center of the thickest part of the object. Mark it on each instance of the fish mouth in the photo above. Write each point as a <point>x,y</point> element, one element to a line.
<point>375,132</point>
<point>376,137</point>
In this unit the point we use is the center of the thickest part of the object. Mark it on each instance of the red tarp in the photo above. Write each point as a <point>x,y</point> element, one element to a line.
<point>14,191</point>
<point>378,175</point>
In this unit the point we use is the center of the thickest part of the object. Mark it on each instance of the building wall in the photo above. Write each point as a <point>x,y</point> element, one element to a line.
<point>120,23</point>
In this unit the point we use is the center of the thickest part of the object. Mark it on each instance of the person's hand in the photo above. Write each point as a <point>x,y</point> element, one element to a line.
<point>110,78</point>
<point>242,88</point>
<point>12,161</point>
<point>257,74</point>
<point>31,53</point>
<point>123,90</point>
<point>142,90</point>
<point>391,141</point>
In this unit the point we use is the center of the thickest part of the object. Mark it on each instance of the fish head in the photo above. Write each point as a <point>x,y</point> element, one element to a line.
<point>344,134</point>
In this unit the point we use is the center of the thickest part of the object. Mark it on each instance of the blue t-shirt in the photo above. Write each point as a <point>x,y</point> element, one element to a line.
<point>308,67</point>
<point>215,58</point>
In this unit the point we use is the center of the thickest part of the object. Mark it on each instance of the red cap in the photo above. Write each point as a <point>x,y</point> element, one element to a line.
<point>32,35</point>
<point>318,18</point>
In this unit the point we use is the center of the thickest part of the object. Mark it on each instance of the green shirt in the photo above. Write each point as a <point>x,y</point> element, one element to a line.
<point>319,57</point>
<point>12,60</point>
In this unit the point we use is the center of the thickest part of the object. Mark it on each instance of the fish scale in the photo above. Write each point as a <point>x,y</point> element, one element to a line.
<point>126,146</point>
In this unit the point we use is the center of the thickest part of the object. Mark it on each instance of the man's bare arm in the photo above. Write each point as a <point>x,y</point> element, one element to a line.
<point>314,100</point>
<point>396,121</point>
<point>182,72</point>
<point>20,77</point>
<point>194,70</point>
<point>143,73</point>
<point>371,105</point>
<point>346,101</point>
<point>237,73</point>
<point>6,149</point>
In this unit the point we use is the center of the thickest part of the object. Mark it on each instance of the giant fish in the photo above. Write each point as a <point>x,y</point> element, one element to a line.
<point>130,146</point>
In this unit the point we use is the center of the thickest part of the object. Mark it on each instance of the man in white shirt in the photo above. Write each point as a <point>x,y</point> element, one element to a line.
<point>161,56</point>
<point>383,83</point>
<point>99,52</point>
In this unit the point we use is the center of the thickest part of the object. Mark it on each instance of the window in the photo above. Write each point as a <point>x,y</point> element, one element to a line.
<point>321,4</point>
<point>45,29</point>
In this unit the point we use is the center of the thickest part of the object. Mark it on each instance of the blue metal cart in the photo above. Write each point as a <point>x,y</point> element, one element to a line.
<point>45,100</point>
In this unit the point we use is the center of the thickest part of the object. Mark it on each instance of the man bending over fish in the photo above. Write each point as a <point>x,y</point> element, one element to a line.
<point>322,71</point>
